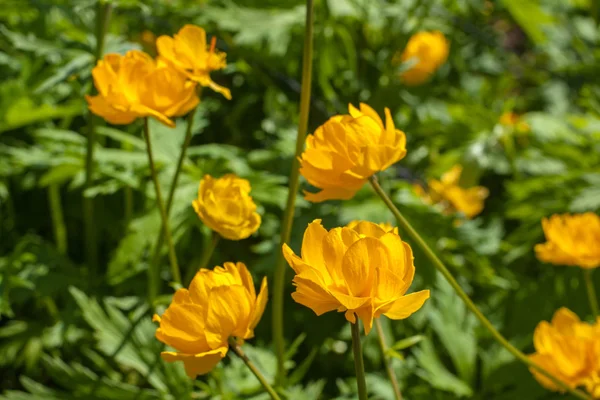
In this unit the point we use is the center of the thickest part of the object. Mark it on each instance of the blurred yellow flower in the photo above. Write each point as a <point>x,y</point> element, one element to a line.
<point>226,207</point>
<point>571,240</point>
<point>348,149</point>
<point>447,191</point>
<point>198,323</point>
<point>386,226</point>
<point>363,271</point>
<point>188,51</point>
<point>513,120</point>
<point>135,86</point>
<point>569,349</point>
<point>428,51</point>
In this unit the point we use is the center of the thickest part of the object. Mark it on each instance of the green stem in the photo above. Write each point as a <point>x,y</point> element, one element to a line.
<point>591,291</point>
<point>58,219</point>
<point>288,216</point>
<point>153,270</point>
<point>388,365</point>
<point>91,248</point>
<point>160,240</point>
<point>240,353</point>
<point>439,265</point>
<point>359,365</point>
<point>205,259</point>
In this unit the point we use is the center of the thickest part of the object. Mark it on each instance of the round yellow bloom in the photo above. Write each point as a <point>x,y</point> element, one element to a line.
<point>428,51</point>
<point>572,240</point>
<point>198,323</point>
<point>188,51</point>
<point>348,149</point>
<point>226,207</point>
<point>569,349</point>
<point>134,86</point>
<point>363,271</point>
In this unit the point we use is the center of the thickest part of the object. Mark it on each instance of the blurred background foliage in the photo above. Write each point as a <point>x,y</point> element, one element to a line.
<point>65,334</point>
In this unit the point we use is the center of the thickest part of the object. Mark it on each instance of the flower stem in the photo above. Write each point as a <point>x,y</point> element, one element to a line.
<point>153,273</point>
<point>388,365</point>
<point>160,240</point>
<point>58,219</point>
<point>359,365</point>
<point>103,11</point>
<point>288,216</point>
<point>205,259</point>
<point>439,265</point>
<point>240,353</point>
<point>591,291</point>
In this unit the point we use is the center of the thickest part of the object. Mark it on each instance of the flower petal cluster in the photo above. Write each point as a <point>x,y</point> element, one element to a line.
<point>363,271</point>
<point>188,51</point>
<point>572,240</point>
<point>219,304</point>
<point>569,349</point>
<point>135,86</point>
<point>226,207</point>
<point>348,149</point>
<point>427,51</point>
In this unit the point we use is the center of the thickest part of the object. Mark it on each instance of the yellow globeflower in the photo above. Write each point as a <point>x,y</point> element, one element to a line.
<point>188,51</point>
<point>348,149</point>
<point>219,304</point>
<point>134,86</point>
<point>569,349</point>
<point>226,207</point>
<point>571,240</point>
<point>363,271</point>
<point>428,51</point>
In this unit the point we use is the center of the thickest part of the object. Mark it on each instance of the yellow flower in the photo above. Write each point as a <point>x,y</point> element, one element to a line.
<point>428,51</point>
<point>226,207</point>
<point>135,86</point>
<point>188,51</point>
<point>569,349</point>
<point>219,304</point>
<point>571,240</point>
<point>386,226</point>
<point>363,271</point>
<point>447,191</point>
<point>513,120</point>
<point>348,149</point>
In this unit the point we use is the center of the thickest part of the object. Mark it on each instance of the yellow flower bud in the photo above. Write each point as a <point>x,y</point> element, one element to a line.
<point>226,207</point>
<point>428,51</point>
<point>188,51</point>
<point>135,86</point>
<point>198,323</point>
<point>572,240</point>
<point>363,271</point>
<point>569,349</point>
<point>348,149</point>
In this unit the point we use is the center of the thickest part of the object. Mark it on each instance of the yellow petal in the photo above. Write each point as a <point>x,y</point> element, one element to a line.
<point>334,245</point>
<point>313,296</point>
<point>228,314</point>
<point>359,265</point>
<point>182,327</point>
<point>197,364</point>
<point>312,244</point>
<point>259,307</point>
<point>406,305</point>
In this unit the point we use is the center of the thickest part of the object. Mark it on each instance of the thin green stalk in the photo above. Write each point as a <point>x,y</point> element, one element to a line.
<point>591,291</point>
<point>439,265</point>
<point>388,365</point>
<point>161,233</point>
<point>205,259</point>
<point>240,353</point>
<point>288,216</point>
<point>153,272</point>
<point>359,365</point>
<point>58,219</point>
<point>103,11</point>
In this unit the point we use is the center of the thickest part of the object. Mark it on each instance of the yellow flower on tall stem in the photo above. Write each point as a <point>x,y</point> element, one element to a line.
<point>427,51</point>
<point>570,349</point>
<point>344,152</point>
<point>362,271</point>
<point>135,86</point>
<point>188,51</point>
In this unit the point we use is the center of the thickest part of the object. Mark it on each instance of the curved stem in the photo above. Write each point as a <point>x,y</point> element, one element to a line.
<point>359,365</point>
<point>388,365</point>
<point>58,218</point>
<point>439,265</point>
<point>206,255</point>
<point>240,353</point>
<point>153,271</point>
<point>591,291</point>
<point>288,216</point>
